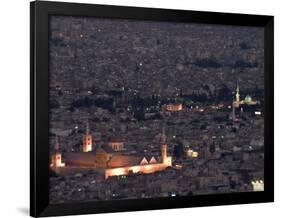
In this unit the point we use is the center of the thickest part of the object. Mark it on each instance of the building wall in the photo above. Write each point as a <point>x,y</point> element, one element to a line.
<point>80,159</point>
<point>102,158</point>
<point>173,107</point>
<point>148,168</point>
<point>116,146</point>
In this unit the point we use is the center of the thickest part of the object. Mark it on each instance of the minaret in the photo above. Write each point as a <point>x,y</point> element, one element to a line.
<point>87,140</point>
<point>56,157</point>
<point>237,93</point>
<point>163,145</point>
<point>236,102</point>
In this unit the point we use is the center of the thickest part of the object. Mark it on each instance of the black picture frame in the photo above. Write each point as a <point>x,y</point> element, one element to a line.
<point>39,126</point>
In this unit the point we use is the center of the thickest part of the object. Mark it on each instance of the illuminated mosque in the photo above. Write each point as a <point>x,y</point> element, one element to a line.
<point>238,103</point>
<point>247,101</point>
<point>112,160</point>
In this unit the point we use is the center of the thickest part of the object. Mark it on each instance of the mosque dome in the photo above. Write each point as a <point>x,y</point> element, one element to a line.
<point>248,99</point>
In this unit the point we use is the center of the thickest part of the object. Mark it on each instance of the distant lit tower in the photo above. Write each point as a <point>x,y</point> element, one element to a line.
<point>237,102</point>
<point>56,159</point>
<point>237,93</point>
<point>163,142</point>
<point>87,140</point>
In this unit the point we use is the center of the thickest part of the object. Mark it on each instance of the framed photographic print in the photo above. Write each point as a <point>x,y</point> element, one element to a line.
<point>141,109</point>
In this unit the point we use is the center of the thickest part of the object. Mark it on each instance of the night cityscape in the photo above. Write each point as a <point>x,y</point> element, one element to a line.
<point>146,109</point>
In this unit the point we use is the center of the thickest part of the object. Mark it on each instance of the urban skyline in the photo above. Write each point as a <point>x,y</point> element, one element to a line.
<point>144,109</point>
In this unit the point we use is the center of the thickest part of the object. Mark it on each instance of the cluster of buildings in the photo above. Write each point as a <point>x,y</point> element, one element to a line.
<point>112,160</point>
<point>238,103</point>
<point>212,162</point>
<point>127,79</point>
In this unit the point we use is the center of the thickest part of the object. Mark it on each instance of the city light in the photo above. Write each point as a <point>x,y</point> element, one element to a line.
<point>142,113</point>
<point>258,185</point>
<point>257,113</point>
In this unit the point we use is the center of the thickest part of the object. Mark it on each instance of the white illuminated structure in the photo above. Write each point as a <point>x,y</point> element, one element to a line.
<point>258,185</point>
<point>56,158</point>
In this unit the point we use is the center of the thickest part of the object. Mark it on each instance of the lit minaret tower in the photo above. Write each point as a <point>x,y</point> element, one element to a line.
<point>56,157</point>
<point>163,145</point>
<point>237,93</point>
<point>87,140</point>
<point>237,102</point>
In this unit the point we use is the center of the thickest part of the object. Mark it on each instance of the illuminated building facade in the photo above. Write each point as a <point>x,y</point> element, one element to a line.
<point>142,164</point>
<point>113,162</point>
<point>258,185</point>
<point>191,153</point>
<point>173,107</point>
<point>117,144</point>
